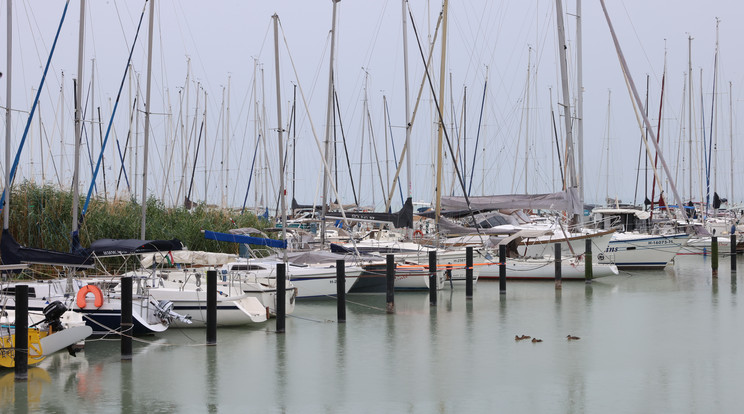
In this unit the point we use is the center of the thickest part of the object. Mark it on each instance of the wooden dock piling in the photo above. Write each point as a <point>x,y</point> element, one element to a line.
<point>211,307</point>
<point>21,333</point>
<point>558,275</point>
<point>733,252</point>
<point>502,269</point>
<point>390,287</point>
<point>433,278</point>
<point>469,272</point>
<point>127,327</point>
<point>714,255</point>
<point>588,274</point>
<point>281,297</point>
<point>341,290</point>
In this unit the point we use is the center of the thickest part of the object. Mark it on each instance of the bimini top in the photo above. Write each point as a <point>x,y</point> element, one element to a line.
<point>110,247</point>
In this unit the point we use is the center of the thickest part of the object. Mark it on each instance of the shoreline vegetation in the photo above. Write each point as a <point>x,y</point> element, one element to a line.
<point>41,217</point>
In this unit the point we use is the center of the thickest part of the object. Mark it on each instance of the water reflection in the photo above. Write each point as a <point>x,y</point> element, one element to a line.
<point>24,396</point>
<point>733,283</point>
<point>588,293</point>
<point>127,386</point>
<point>341,379</point>
<point>212,374</point>
<point>282,373</point>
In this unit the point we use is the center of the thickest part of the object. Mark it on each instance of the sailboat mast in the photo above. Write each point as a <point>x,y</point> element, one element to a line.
<point>147,119</point>
<point>571,166</point>
<point>294,140</point>
<point>206,160</point>
<point>609,118</point>
<point>440,130</point>
<point>527,121</point>
<point>407,101</point>
<point>9,57</point>
<point>78,124</point>
<point>689,106</point>
<point>131,112</point>
<point>329,116</point>
<point>61,176</point>
<point>92,141</point>
<point>282,192</point>
<point>227,144</point>
<point>714,117</point>
<point>637,99</point>
<point>223,154</point>
<point>579,104</point>
<point>658,135</point>
<point>731,142</point>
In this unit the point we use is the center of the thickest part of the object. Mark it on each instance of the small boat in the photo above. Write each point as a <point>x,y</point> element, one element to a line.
<point>239,301</point>
<point>44,337</point>
<point>311,280</point>
<point>643,251</point>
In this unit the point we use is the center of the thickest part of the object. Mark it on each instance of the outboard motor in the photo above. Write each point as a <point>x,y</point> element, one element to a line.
<point>52,316</point>
<point>53,313</point>
<point>166,314</point>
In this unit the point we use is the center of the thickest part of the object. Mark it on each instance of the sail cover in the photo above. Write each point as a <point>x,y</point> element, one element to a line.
<point>564,201</point>
<point>403,218</point>
<point>14,253</point>
<point>240,238</point>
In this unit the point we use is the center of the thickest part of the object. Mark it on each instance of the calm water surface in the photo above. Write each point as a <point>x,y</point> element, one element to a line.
<point>651,341</point>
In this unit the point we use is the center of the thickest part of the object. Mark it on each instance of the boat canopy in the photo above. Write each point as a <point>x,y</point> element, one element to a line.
<point>191,257</point>
<point>111,247</point>
<point>568,201</point>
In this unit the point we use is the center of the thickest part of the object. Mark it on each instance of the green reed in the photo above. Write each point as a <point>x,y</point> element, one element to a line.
<point>41,216</point>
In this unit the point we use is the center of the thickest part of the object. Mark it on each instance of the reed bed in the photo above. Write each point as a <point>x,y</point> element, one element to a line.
<point>41,216</point>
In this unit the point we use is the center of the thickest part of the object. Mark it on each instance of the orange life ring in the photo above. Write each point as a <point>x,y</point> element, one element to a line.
<point>418,234</point>
<point>83,293</point>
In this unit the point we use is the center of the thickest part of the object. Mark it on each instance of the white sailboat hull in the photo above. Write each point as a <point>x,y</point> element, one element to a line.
<point>544,269</point>
<point>639,251</point>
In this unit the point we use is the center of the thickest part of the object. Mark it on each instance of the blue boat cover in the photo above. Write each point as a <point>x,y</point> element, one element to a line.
<point>240,238</point>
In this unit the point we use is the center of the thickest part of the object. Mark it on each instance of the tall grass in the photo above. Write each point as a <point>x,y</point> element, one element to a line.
<point>41,216</point>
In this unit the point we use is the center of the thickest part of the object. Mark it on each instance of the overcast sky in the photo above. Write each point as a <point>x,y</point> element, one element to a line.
<point>486,40</point>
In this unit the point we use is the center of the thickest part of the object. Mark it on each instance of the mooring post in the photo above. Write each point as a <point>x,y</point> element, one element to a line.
<point>341,290</point>
<point>714,255</point>
<point>127,327</point>
<point>502,269</point>
<point>21,333</point>
<point>211,307</point>
<point>733,251</point>
<point>557,257</point>
<point>433,278</point>
<point>390,287</point>
<point>281,297</point>
<point>469,272</point>
<point>588,273</point>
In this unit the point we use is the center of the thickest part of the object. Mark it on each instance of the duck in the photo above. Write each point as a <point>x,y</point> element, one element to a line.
<point>535,340</point>
<point>572,338</point>
<point>519,338</point>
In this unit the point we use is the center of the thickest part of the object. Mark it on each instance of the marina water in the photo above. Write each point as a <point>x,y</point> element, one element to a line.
<point>651,341</point>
